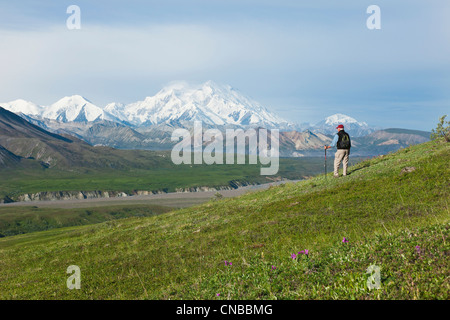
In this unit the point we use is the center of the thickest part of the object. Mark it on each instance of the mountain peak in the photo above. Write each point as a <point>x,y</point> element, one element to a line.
<point>339,118</point>
<point>75,99</point>
<point>76,108</point>
<point>209,102</point>
<point>352,126</point>
<point>187,87</point>
<point>22,106</point>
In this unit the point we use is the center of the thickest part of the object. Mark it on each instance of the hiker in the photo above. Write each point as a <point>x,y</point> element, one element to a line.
<point>342,142</point>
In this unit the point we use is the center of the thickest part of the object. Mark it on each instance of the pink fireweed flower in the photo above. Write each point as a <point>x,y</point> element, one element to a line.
<point>306,251</point>
<point>293,256</point>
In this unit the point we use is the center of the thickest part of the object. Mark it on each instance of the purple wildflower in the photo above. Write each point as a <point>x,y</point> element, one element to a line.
<point>345,240</point>
<point>273,267</point>
<point>218,294</point>
<point>293,256</point>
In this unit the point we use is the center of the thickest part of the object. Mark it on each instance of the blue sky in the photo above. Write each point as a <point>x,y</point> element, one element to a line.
<point>304,60</point>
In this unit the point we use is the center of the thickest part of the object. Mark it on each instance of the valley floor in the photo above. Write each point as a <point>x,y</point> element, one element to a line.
<point>170,199</point>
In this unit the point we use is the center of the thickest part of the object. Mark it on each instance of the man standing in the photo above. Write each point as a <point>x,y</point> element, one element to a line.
<point>342,142</point>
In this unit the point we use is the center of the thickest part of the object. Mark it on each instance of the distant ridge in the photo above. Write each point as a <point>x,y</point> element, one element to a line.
<point>8,159</point>
<point>424,134</point>
<point>20,138</point>
<point>13,125</point>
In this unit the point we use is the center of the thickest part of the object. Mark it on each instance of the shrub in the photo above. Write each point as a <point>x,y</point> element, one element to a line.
<point>442,130</point>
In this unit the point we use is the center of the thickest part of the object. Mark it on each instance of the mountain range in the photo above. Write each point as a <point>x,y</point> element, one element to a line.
<point>148,124</point>
<point>175,105</point>
<point>23,144</point>
<point>178,105</point>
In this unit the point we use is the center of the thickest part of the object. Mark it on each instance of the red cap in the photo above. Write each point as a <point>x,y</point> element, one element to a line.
<point>341,126</point>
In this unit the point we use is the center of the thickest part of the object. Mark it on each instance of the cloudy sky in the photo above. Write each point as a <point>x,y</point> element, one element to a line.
<point>305,60</point>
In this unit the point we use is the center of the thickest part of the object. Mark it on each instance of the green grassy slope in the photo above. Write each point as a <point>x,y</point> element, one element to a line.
<point>383,210</point>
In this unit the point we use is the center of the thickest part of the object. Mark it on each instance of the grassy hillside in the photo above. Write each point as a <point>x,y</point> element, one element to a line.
<point>394,211</point>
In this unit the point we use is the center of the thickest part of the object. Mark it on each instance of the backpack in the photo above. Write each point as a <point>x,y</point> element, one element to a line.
<point>344,140</point>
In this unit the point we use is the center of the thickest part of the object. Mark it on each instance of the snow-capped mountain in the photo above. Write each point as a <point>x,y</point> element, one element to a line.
<point>342,118</point>
<point>22,106</point>
<point>75,109</point>
<point>210,103</point>
<point>148,124</point>
<point>117,110</point>
<point>178,104</point>
<point>351,125</point>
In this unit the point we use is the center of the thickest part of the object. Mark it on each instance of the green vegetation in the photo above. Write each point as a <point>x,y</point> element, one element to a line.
<point>165,176</point>
<point>17,220</point>
<point>386,207</point>
<point>414,266</point>
<point>442,130</point>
